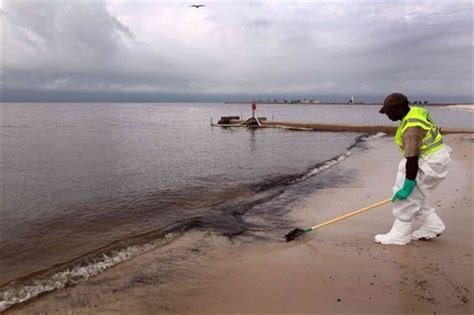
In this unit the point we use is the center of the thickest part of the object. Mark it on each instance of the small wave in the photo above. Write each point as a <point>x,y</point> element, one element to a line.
<point>324,166</point>
<point>337,159</point>
<point>464,107</point>
<point>318,168</point>
<point>18,292</point>
<point>373,137</point>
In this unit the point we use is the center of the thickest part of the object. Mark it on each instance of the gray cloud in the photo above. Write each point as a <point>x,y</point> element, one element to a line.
<point>265,48</point>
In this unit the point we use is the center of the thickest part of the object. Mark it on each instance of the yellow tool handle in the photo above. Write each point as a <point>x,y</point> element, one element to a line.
<point>352,213</point>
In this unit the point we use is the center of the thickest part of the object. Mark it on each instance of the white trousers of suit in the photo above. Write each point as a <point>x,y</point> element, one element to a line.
<point>432,169</point>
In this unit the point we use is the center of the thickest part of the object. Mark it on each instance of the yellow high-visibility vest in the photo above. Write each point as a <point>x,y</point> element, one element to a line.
<point>419,117</point>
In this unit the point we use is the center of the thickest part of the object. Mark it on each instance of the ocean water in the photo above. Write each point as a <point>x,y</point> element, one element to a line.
<point>85,186</point>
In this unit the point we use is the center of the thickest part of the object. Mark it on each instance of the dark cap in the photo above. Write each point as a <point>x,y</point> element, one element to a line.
<point>393,100</point>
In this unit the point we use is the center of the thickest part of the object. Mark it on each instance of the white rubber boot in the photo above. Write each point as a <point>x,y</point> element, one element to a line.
<point>432,227</point>
<point>398,235</point>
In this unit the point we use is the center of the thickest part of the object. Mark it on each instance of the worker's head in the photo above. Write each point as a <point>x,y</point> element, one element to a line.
<point>395,106</point>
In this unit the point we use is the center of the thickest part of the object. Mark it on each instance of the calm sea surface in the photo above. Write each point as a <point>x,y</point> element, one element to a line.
<point>78,177</point>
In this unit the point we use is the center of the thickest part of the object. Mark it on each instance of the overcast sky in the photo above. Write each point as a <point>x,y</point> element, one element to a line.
<point>113,50</point>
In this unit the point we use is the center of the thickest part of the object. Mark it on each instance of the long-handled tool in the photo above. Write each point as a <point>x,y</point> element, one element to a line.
<point>298,232</point>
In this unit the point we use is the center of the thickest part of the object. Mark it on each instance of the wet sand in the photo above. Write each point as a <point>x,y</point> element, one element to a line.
<point>338,269</point>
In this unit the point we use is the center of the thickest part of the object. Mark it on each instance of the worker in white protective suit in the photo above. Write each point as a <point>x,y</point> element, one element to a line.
<point>424,165</point>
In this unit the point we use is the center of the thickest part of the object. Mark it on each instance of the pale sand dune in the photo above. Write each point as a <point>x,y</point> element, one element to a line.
<point>336,270</point>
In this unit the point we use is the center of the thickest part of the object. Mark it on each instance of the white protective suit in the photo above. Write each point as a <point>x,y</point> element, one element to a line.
<point>432,170</point>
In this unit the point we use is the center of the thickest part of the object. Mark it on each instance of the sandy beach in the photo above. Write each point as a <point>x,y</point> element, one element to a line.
<point>338,269</point>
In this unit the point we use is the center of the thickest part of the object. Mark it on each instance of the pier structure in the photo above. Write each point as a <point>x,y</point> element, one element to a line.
<point>390,130</point>
<point>262,122</point>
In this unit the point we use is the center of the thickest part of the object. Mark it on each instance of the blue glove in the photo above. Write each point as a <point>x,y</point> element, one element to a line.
<point>403,193</point>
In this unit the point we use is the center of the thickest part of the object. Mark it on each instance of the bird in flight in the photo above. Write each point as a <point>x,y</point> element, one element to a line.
<point>197,6</point>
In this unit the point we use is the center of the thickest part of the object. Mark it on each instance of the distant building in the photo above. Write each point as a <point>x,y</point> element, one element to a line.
<point>311,102</point>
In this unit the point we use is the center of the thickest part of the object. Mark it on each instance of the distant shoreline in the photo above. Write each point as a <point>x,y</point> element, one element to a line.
<point>345,103</point>
<point>459,105</point>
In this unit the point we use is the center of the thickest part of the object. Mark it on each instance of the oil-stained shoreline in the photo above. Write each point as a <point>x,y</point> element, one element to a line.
<point>337,269</point>
<point>98,260</point>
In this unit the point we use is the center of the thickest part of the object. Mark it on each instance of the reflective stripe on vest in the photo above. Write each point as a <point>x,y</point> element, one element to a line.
<point>433,147</point>
<point>419,117</point>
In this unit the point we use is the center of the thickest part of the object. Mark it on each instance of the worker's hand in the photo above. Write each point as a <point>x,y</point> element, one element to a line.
<point>403,193</point>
